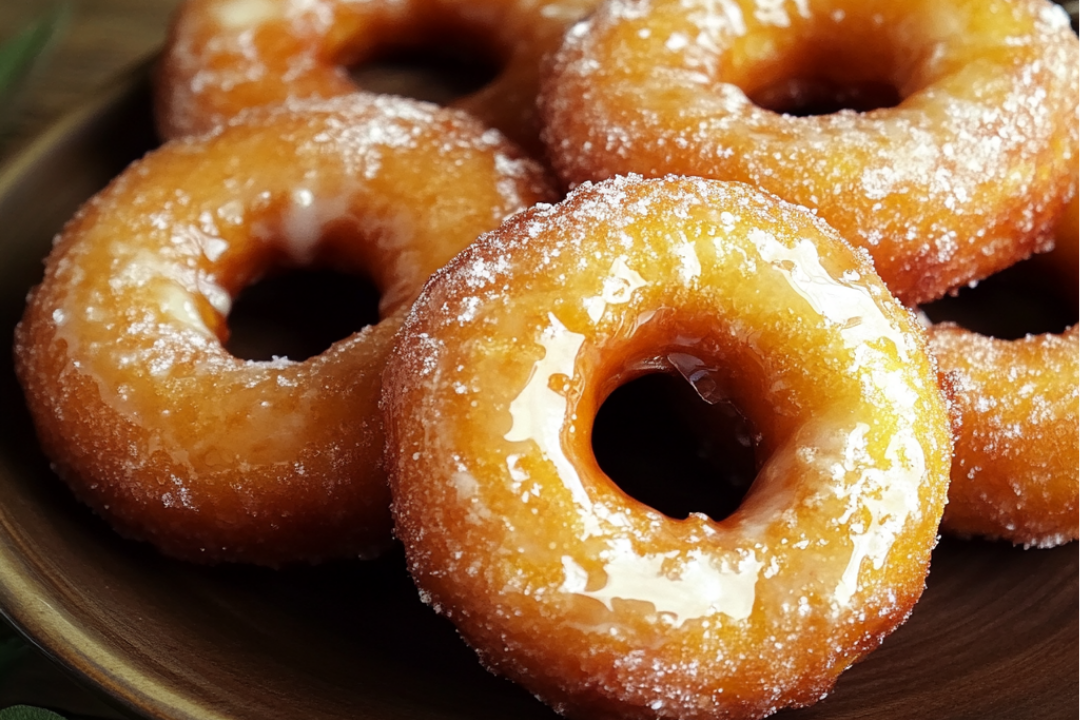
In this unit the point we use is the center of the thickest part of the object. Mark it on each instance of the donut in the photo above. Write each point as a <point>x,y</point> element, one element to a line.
<point>226,55</point>
<point>1014,474</point>
<point>136,401</point>
<point>1016,469</point>
<point>947,160</point>
<point>598,604</point>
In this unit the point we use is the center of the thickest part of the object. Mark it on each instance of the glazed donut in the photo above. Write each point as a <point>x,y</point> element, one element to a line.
<point>152,421</point>
<point>1016,469</point>
<point>962,177</point>
<point>595,602</point>
<point>226,55</point>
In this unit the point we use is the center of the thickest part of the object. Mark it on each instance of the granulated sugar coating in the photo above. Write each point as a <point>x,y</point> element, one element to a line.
<point>964,176</point>
<point>223,56</point>
<point>598,604</point>
<point>142,410</point>
<point>1016,470</point>
<point>1016,467</point>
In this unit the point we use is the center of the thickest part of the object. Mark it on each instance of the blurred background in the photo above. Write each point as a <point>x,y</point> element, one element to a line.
<point>93,41</point>
<point>53,55</point>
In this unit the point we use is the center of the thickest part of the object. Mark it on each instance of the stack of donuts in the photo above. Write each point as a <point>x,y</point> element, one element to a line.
<point>755,197</point>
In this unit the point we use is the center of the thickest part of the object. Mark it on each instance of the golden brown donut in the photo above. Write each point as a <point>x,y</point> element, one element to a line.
<point>1016,471</point>
<point>147,416</point>
<point>595,602</point>
<point>965,175</point>
<point>226,55</point>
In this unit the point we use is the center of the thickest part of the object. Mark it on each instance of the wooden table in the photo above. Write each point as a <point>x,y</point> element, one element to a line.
<point>100,40</point>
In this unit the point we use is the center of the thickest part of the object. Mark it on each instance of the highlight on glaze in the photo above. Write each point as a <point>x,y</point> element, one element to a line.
<point>591,599</point>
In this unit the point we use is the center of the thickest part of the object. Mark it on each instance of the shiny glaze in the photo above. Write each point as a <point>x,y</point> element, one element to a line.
<point>120,352</point>
<point>602,605</point>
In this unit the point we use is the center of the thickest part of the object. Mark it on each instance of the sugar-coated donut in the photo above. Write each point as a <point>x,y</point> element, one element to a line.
<point>595,602</point>
<point>226,55</point>
<point>963,176</point>
<point>152,421</point>
<point>1016,470</point>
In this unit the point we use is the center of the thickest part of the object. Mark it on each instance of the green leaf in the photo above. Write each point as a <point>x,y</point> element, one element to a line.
<point>19,53</point>
<point>25,712</point>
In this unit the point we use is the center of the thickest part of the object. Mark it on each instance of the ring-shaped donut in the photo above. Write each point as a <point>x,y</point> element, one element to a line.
<point>223,56</point>
<point>120,352</point>
<point>595,602</point>
<point>1016,468</point>
<point>963,177</point>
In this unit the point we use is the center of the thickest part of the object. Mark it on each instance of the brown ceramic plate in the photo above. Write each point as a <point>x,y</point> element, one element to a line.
<point>995,636</point>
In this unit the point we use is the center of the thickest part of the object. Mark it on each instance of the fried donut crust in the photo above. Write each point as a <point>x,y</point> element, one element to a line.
<point>596,603</point>
<point>142,410</point>
<point>1016,465</point>
<point>963,177</point>
<point>1016,473</point>
<point>223,56</point>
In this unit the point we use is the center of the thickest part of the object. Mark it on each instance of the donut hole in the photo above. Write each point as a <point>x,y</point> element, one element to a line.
<point>1008,305</point>
<point>663,445</point>
<point>298,313</point>
<point>824,68</point>
<point>807,97</point>
<point>439,71</point>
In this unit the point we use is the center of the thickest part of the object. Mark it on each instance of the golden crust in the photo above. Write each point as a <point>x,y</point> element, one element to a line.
<point>142,410</point>
<point>1015,470</point>
<point>966,175</point>
<point>1016,473</point>
<point>223,56</point>
<point>593,601</point>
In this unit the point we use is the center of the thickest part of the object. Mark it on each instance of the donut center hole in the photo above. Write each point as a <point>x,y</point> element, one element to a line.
<point>438,72</point>
<point>824,65</point>
<point>806,97</point>
<point>299,313</point>
<point>663,445</point>
<point>1009,305</point>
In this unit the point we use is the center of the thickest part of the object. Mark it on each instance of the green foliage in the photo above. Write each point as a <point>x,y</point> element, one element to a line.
<point>19,53</point>
<point>25,712</point>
